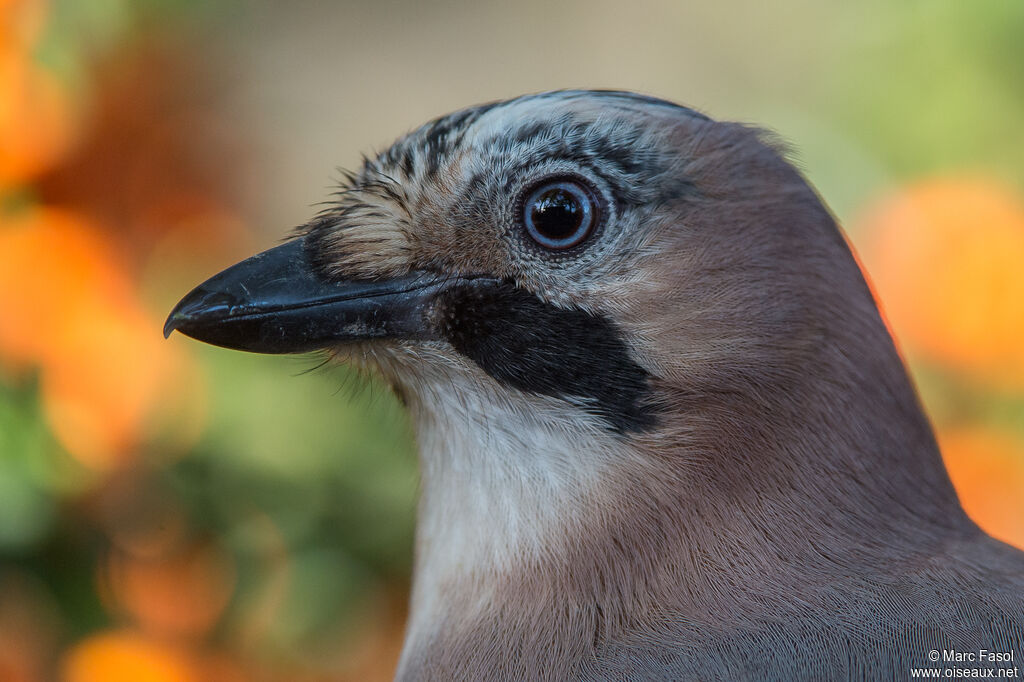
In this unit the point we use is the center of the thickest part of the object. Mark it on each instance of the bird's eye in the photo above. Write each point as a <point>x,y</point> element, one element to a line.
<point>559,214</point>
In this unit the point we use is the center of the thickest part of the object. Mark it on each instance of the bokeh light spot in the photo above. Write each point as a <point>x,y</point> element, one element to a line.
<point>945,258</point>
<point>987,468</point>
<point>125,657</point>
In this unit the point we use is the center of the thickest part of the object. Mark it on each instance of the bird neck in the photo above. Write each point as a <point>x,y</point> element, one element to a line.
<point>503,492</point>
<point>500,491</point>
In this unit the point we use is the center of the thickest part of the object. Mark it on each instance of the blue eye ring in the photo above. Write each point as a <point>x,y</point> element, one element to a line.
<point>560,213</point>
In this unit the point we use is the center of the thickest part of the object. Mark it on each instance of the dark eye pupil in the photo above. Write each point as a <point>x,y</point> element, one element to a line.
<point>560,214</point>
<point>557,214</point>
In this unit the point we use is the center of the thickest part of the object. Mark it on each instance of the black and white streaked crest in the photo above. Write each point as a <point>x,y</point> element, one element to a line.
<point>430,147</point>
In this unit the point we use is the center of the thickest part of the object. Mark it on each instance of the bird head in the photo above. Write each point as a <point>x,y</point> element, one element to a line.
<point>603,254</point>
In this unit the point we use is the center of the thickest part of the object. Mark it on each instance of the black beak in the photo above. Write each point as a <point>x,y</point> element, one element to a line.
<point>275,302</point>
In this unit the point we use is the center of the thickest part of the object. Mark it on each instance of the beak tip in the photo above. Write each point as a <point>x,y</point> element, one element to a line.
<point>172,322</point>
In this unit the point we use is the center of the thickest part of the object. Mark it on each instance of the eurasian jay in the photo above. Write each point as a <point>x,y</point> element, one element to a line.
<point>663,430</point>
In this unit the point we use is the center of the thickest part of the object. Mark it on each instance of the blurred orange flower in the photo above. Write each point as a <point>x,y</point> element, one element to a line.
<point>37,120</point>
<point>182,594</point>
<point>126,657</point>
<point>67,306</point>
<point>21,22</point>
<point>987,469</point>
<point>945,257</point>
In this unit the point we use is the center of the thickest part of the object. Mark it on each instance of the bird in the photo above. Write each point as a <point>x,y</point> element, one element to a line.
<point>663,430</point>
